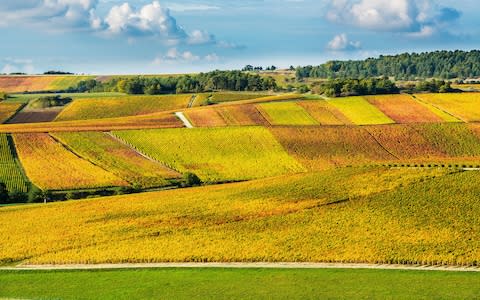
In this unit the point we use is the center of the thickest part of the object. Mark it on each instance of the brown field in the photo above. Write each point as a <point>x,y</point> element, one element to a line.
<point>35,116</point>
<point>403,109</point>
<point>205,117</point>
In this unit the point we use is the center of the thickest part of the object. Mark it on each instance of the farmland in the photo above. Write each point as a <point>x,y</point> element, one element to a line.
<point>10,172</point>
<point>83,109</point>
<point>230,154</point>
<point>103,150</point>
<point>381,215</point>
<point>463,106</point>
<point>324,113</point>
<point>7,110</point>
<point>59,168</point>
<point>360,111</point>
<point>285,113</point>
<point>19,84</point>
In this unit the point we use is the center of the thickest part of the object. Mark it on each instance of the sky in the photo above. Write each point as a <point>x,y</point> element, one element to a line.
<point>168,36</point>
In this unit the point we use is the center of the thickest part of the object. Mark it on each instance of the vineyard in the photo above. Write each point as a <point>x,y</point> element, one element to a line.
<point>359,111</point>
<point>105,107</point>
<point>285,113</point>
<point>10,172</point>
<point>50,166</point>
<point>117,158</point>
<point>216,155</point>
<point>380,216</point>
<point>465,107</point>
<point>7,110</point>
<point>20,84</point>
<point>324,113</point>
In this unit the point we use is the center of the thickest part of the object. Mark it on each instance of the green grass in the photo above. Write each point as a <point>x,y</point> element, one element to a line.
<point>239,284</point>
<point>111,107</point>
<point>286,113</point>
<point>220,154</point>
<point>10,172</point>
<point>360,111</point>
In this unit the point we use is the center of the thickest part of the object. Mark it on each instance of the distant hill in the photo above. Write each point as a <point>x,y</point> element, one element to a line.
<point>407,66</point>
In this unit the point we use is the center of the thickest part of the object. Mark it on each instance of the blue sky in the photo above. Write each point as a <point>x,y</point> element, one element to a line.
<point>146,36</point>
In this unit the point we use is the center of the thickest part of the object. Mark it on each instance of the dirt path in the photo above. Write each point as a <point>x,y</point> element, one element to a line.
<point>247,266</point>
<point>184,119</point>
<point>192,101</point>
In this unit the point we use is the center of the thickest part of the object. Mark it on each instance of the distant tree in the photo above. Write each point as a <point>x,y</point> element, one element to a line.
<point>57,73</point>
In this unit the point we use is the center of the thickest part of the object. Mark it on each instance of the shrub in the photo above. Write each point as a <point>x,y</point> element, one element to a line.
<point>190,179</point>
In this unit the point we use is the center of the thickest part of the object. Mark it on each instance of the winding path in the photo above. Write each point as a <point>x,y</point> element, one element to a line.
<point>247,266</point>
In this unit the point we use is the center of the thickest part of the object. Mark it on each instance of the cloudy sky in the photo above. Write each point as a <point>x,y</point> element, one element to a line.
<point>174,36</point>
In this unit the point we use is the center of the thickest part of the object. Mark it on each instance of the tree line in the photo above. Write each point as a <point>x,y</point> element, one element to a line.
<point>376,86</point>
<point>406,66</point>
<point>197,83</point>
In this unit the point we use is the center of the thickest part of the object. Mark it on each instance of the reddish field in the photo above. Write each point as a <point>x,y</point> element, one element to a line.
<point>35,116</point>
<point>324,113</point>
<point>16,84</point>
<point>405,142</point>
<point>205,117</point>
<point>242,115</point>
<point>324,147</point>
<point>403,109</point>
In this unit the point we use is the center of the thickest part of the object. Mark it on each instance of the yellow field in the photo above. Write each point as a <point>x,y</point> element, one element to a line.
<point>52,167</point>
<point>464,106</point>
<point>350,215</point>
<point>7,110</point>
<point>124,106</point>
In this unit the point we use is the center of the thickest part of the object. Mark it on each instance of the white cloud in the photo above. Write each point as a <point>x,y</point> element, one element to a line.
<point>15,65</point>
<point>198,37</point>
<point>417,17</point>
<point>174,56</point>
<point>183,7</point>
<point>342,43</point>
<point>212,57</point>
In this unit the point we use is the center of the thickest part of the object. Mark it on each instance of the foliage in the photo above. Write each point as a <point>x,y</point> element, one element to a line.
<point>215,155</point>
<point>285,113</point>
<point>438,64</point>
<point>369,215</point>
<point>356,87</point>
<point>112,107</point>
<point>49,101</point>
<point>203,82</point>
<point>359,111</point>
<point>3,96</point>
<point>51,166</point>
<point>117,158</point>
<point>190,179</point>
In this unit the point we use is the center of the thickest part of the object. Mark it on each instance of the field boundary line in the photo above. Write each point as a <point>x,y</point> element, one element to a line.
<point>253,265</point>
<point>439,108</point>
<point>192,101</point>
<point>184,119</point>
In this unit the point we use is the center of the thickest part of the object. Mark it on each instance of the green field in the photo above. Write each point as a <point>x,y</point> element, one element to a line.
<point>10,172</point>
<point>239,284</point>
<point>360,111</point>
<point>111,107</point>
<point>286,113</point>
<point>117,158</point>
<point>220,154</point>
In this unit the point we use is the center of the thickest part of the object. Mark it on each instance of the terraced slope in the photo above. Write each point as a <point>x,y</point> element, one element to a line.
<point>106,107</point>
<point>112,155</point>
<point>10,172</point>
<point>220,154</point>
<point>51,166</point>
<point>364,215</point>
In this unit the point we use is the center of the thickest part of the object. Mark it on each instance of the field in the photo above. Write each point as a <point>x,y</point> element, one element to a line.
<point>35,115</point>
<point>205,117</point>
<point>161,120</point>
<point>228,154</point>
<point>105,151</point>
<point>238,284</point>
<point>50,166</point>
<point>324,113</point>
<point>210,98</point>
<point>371,215</point>
<point>241,115</point>
<point>7,110</point>
<point>83,109</point>
<point>10,172</point>
<point>403,109</point>
<point>285,113</point>
<point>359,111</point>
<point>20,84</point>
<point>464,106</point>
<point>326,147</point>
